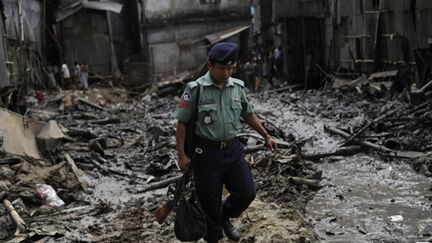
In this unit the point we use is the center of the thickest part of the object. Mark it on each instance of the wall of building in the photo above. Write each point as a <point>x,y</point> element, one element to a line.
<point>103,39</point>
<point>296,8</point>
<point>188,10</point>
<point>423,20</point>
<point>4,77</point>
<point>176,48</point>
<point>175,30</point>
<point>365,36</point>
<point>23,45</point>
<point>126,35</point>
<point>85,37</point>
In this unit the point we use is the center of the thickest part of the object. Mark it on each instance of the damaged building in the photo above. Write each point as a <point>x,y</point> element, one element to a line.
<point>21,45</point>
<point>103,163</point>
<point>135,42</point>
<point>139,42</point>
<point>99,33</point>
<point>348,37</point>
<point>184,30</point>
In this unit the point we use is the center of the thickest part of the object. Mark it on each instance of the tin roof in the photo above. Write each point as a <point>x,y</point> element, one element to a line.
<point>71,7</point>
<point>222,35</point>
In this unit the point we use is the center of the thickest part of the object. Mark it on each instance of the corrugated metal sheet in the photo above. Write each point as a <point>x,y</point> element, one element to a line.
<point>69,8</point>
<point>358,27</point>
<point>86,39</point>
<point>345,7</point>
<point>295,8</point>
<point>424,5</point>
<point>32,18</point>
<point>105,6</point>
<point>424,29</point>
<point>4,78</point>
<point>24,63</point>
<point>423,20</point>
<point>223,35</point>
<point>95,50</point>
<point>398,5</point>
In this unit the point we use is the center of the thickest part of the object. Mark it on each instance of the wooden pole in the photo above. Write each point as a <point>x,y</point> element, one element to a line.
<point>19,222</point>
<point>77,172</point>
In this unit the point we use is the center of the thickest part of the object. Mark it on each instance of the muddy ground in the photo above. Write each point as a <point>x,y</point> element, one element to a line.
<point>138,148</point>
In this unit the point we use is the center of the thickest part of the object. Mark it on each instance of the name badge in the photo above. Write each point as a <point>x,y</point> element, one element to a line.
<point>207,119</point>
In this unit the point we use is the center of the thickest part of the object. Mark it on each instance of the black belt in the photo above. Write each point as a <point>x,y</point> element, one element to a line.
<point>219,145</point>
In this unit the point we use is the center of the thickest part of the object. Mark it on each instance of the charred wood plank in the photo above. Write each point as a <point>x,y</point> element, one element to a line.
<point>340,152</point>
<point>389,152</point>
<point>80,210</point>
<point>99,167</point>
<point>427,86</point>
<point>419,107</point>
<point>96,146</point>
<point>361,130</point>
<point>78,173</point>
<point>89,103</point>
<point>10,160</point>
<point>108,170</point>
<point>159,184</point>
<point>290,87</point>
<point>106,121</point>
<point>81,133</point>
<point>404,119</point>
<point>307,182</point>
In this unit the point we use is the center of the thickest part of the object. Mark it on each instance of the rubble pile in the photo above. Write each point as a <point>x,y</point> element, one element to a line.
<point>56,160</point>
<point>390,125</point>
<point>105,134</point>
<point>380,120</point>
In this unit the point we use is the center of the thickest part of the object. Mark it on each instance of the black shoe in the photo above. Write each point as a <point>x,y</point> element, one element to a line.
<point>230,231</point>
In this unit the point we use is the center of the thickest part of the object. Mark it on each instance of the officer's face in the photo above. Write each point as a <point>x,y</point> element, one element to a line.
<point>220,73</point>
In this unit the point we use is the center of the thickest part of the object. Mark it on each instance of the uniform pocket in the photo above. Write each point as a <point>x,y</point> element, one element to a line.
<point>207,114</point>
<point>237,109</point>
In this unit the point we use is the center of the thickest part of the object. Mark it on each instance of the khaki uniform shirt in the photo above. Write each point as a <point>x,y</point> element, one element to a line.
<point>219,110</point>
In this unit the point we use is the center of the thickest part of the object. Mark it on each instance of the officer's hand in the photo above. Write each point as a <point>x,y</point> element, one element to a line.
<point>183,162</point>
<point>271,143</point>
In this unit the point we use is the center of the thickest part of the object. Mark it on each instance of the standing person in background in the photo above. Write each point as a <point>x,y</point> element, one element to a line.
<point>250,69</point>
<point>278,60</point>
<point>66,76</point>
<point>271,67</point>
<point>51,79</point>
<point>84,75</point>
<point>219,158</point>
<point>258,68</point>
<point>77,73</point>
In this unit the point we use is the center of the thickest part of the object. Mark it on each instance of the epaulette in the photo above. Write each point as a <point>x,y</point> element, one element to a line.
<point>192,84</point>
<point>238,81</point>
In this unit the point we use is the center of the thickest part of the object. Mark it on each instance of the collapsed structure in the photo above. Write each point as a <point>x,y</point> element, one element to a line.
<point>360,36</point>
<point>140,42</point>
<point>133,41</point>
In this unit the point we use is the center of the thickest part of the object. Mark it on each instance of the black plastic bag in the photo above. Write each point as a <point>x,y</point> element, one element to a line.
<point>190,220</point>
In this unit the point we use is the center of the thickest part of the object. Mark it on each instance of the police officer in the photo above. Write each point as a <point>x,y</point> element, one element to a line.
<point>221,161</point>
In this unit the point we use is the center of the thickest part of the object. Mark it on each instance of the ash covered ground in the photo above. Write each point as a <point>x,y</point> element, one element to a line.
<point>129,144</point>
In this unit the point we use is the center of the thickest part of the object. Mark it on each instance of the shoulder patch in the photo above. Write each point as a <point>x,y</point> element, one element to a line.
<point>186,99</point>
<point>187,96</point>
<point>239,82</point>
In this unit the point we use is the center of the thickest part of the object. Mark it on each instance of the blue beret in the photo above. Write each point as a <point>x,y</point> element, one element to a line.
<point>225,53</point>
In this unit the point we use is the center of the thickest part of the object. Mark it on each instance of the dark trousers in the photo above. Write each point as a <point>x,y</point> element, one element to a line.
<point>215,168</point>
